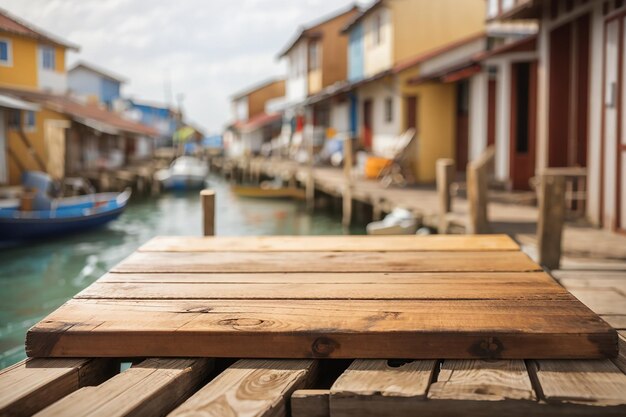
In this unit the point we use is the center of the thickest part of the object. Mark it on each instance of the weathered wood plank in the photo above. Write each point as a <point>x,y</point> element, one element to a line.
<point>331,243</point>
<point>310,403</point>
<point>620,361</point>
<point>253,388</point>
<point>263,262</point>
<point>153,387</point>
<point>478,380</point>
<point>449,278</point>
<point>33,384</point>
<point>376,387</point>
<point>323,328</point>
<point>594,382</point>
<point>525,288</point>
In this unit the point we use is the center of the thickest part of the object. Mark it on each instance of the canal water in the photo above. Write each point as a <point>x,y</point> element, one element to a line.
<point>38,277</point>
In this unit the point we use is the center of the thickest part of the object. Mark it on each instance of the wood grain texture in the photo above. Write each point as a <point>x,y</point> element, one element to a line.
<point>263,262</point>
<point>479,380</point>
<point>323,328</point>
<point>310,403</point>
<point>342,297</point>
<point>331,243</point>
<point>375,387</point>
<point>620,361</point>
<point>597,382</point>
<point>250,388</point>
<point>153,387</point>
<point>33,384</point>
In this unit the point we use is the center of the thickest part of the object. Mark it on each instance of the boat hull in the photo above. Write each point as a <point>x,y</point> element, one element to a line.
<point>184,182</point>
<point>23,229</point>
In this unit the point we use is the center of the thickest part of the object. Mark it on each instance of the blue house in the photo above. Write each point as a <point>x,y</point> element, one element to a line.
<point>158,116</point>
<point>91,82</point>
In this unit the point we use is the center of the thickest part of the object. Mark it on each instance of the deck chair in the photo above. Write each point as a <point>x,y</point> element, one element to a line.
<point>398,173</point>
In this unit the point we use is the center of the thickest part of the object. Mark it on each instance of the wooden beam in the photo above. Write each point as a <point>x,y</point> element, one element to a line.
<point>376,387</point>
<point>154,387</point>
<point>310,403</point>
<point>33,384</point>
<point>208,211</point>
<point>551,220</point>
<point>251,387</point>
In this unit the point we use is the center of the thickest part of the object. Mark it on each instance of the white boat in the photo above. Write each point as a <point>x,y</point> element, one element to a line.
<point>186,172</point>
<point>398,222</point>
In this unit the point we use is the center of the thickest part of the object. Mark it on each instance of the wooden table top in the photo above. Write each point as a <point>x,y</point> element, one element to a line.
<point>454,297</point>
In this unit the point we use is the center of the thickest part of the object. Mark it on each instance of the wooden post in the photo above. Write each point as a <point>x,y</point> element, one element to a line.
<point>477,184</point>
<point>347,191</point>
<point>445,177</point>
<point>551,220</point>
<point>208,211</point>
<point>310,179</point>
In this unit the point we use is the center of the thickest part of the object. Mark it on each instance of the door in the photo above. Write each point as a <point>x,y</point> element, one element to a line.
<point>462,125</point>
<point>492,112</point>
<point>614,141</point>
<point>569,94</point>
<point>411,113</point>
<point>523,123</point>
<point>367,124</point>
<point>54,135</point>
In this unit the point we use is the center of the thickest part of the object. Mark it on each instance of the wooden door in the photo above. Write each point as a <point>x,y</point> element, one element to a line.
<point>523,123</point>
<point>462,124</point>
<point>614,140</point>
<point>367,124</point>
<point>411,112</point>
<point>492,111</point>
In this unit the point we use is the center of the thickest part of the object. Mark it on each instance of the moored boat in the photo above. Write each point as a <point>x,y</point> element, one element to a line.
<point>185,173</point>
<point>39,215</point>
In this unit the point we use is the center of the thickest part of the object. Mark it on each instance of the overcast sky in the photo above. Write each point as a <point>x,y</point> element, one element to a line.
<point>210,48</point>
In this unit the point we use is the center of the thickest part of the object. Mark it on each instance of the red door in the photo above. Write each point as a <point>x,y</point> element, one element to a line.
<point>462,125</point>
<point>411,112</point>
<point>613,199</point>
<point>523,124</point>
<point>367,124</point>
<point>491,112</point>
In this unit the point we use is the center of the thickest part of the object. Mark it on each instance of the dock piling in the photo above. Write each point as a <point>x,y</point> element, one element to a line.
<point>551,220</point>
<point>208,211</point>
<point>445,177</point>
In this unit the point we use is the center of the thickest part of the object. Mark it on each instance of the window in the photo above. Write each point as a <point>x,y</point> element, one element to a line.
<point>314,56</point>
<point>30,120</point>
<point>14,119</point>
<point>377,26</point>
<point>5,53</point>
<point>47,58</point>
<point>389,110</point>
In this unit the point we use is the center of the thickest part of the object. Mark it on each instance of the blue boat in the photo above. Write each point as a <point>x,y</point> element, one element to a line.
<point>57,216</point>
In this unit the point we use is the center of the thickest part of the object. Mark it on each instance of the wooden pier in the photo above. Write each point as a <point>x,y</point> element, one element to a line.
<point>355,326</point>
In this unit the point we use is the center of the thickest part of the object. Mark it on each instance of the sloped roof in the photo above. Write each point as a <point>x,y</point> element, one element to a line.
<point>257,122</point>
<point>14,25</point>
<point>255,87</point>
<point>312,31</point>
<point>89,114</point>
<point>100,71</point>
<point>362,15</point>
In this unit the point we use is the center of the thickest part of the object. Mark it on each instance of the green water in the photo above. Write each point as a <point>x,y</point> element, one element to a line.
<point>37,278</point>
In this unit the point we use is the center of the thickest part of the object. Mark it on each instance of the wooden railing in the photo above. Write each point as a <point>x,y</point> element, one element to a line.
<point>478,173</point>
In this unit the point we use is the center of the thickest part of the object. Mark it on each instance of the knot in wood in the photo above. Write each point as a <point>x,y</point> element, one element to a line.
<point>324,346</point>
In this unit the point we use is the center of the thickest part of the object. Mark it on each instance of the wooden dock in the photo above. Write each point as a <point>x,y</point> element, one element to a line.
<point>348,326</point>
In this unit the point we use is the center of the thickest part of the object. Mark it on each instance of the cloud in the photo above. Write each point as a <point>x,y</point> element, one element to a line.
<point>210,48</point>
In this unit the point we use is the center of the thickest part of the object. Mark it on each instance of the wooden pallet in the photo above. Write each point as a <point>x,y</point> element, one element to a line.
<point>456,297</point>
<point>312,388</point>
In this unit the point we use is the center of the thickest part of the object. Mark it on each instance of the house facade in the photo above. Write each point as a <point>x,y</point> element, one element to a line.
<point>256,117</point>
<point>95,84</point>
<point>160,117</point>
<point>580,95</point>
<point>388,42</point>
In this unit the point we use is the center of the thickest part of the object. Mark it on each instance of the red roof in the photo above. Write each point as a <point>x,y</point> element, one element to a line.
<point>89,114</point>
<point>258,121</point>
<point>12,24</point>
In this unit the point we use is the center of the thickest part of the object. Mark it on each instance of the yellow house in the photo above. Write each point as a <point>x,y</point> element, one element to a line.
<point>30,60</point>
<point>387,43</point>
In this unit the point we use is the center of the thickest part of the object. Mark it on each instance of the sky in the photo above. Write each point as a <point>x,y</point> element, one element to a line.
<point>207,49</point>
